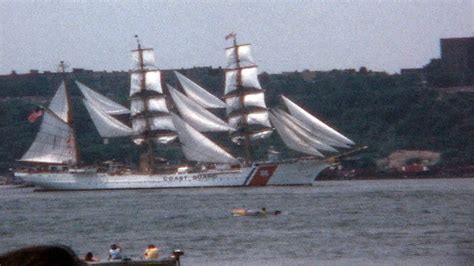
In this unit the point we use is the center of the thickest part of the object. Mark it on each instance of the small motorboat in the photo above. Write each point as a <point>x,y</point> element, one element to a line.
<point>64,255</point>
<point>172,260</point>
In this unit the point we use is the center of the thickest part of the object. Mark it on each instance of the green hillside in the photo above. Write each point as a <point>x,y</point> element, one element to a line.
<point>385,112</point>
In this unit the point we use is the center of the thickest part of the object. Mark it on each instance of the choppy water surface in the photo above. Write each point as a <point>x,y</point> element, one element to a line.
<point>336,222</point>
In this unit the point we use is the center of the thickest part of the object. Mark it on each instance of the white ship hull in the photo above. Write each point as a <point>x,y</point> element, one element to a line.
<point>301,172</point>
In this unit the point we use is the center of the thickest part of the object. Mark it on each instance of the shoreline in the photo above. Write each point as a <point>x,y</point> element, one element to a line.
<point>457,172</point>
<point>406,177</point>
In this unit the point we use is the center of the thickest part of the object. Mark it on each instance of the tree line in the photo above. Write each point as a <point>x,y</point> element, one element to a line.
<point>386,112</point>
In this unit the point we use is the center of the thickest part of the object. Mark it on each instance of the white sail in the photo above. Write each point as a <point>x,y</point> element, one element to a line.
<point>135,83</point>
<point>148,58</point>
<point>161,139</point>
<point>165,139</point>
<point>150,115</point>
<point>152,81</point>
<point>108,126</point>
<point>197,147</point>
<point>244,54</point>
<point>255,118</point>
<point>245,100</point>
<point>138,125</point>
<point>156,123</point>
<point>195,115</point>
<point>159,122</point>
<point>54,142</point>
<point>250,100</point>
<point>262,134</point>
<point>155,104</point>
<point>162,122</point>
<point>199,94</point>
<point>248,77</point>
<point>105,104</point>
<point>315,135</point>
<point>291,139</point>
<point>313,123</point>
<point>257,135</point>
<point>59,104</point>
<point>302,132</point>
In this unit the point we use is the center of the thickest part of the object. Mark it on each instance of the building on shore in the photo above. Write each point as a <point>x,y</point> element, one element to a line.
<point>454,68</point>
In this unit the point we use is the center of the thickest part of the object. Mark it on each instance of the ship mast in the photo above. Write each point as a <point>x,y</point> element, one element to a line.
<point>243,113</point>
<point>244,97</point>
<point>150,158</point>
<point>70,120</point>
<point>150,117</point>
<point>56,141</point>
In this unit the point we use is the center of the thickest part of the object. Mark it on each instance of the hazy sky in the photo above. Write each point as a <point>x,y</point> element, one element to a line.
<point>286,35</point>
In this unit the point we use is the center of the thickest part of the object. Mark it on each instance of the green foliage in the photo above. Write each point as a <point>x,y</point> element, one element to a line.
<point>385,112</point>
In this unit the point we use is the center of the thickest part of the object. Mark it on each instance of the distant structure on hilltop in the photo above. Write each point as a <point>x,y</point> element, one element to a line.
<point>36,82</point>
<point>457,56</point>
<point>454,68</point>
<point>87,72</point>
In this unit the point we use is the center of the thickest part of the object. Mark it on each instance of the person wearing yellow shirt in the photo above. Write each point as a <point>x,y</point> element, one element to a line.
<point>151,252</point>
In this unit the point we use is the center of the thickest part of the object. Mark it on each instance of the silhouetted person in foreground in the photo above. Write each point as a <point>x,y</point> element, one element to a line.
<point>41,256</point>
<point>90,257</point>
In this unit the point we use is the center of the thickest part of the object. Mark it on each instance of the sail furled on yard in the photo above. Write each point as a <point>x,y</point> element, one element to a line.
<point>195,115</point>
<point>245,100</point>
<point>149,112</point>
<point>55,142</point>
<point>105,104</point>
<point>198,93</point>
<point>317,127</point>
<point>197,147</point>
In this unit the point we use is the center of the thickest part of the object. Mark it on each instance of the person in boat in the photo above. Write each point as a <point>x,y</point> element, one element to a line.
<point>114,252</point>
<point>90,257</point>
<point>246,212</point>
<point>151,252</point>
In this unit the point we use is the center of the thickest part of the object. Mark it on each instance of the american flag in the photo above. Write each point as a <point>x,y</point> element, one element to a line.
<point>37,113</point>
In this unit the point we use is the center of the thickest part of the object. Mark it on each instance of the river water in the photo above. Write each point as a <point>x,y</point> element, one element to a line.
<point>388,222</point>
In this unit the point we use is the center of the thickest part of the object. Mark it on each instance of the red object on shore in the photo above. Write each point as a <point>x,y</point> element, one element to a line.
<point>414,168</point>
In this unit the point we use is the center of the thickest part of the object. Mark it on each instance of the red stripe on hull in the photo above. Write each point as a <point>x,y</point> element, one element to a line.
<point>262,175</point>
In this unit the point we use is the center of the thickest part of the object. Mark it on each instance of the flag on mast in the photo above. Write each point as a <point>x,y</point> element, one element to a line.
<point>37,113</point>
<point>230,35</point>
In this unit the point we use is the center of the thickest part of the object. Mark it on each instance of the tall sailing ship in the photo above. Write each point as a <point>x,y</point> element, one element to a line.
<point>54,162</point>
